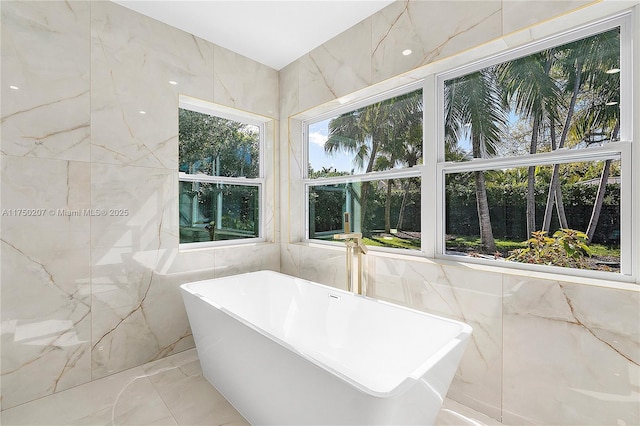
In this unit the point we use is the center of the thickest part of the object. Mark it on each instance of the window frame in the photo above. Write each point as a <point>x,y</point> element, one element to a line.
<point>622,148</point>
<point>216,110</point>
<point>365,177</point>
<point>415,171</point>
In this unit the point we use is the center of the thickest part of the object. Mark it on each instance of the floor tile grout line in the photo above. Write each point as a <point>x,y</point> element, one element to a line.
<point>162,397</point>
<point>147,377</point>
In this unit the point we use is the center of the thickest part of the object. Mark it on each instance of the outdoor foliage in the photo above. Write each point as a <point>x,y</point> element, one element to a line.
<point>381,136</point>
<point>328,202</point>
<point>565,97</point>
<point>566,248</point>
<point>508,208</point>
<point>214,146</point>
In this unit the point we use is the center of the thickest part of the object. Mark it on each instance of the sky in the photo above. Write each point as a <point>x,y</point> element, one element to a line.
<point>318,134</point>
<point>342,162</point>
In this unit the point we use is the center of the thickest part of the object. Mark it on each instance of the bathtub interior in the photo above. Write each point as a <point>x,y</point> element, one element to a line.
<point>378,347</point>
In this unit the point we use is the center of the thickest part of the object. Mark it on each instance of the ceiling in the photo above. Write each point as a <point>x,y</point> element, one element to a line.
<point>272,32</point>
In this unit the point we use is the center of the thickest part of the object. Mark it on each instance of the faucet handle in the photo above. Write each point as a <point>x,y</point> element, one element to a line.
<point>348,236</point>
<point>353,236</point>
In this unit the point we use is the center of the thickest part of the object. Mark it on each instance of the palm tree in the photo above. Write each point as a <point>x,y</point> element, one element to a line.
<point>576,60</point>
<point>599,121</point>
<point>473,102</point>
<point>583,64</point>
<point>378,136</point>
<point>358,133</point>
<point>527,83</point>
<point>402,146</point>
<point>604,116</point>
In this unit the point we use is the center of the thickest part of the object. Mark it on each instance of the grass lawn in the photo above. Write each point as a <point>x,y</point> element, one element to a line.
<point>388,240</point>
<point>393,242</point>
<point>472,244</point>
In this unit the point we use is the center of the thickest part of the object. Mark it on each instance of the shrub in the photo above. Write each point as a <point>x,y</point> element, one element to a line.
<point>566,248</point>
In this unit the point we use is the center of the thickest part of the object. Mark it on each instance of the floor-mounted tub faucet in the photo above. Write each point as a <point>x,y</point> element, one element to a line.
<point>355,246</point>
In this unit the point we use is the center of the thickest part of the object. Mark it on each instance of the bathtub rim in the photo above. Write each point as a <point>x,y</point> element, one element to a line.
<point>399,388</point>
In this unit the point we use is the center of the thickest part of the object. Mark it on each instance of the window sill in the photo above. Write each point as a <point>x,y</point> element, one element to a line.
<point>191,247</point>
<point>599,278</point>
<point>621,283</point>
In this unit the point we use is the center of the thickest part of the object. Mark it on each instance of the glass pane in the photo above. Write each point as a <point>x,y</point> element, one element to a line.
<point>564,97</point>
<point>216,146</point>
<point>381,136</point>
<point>575,207</point>
<point>386,212</point>
<point>216,211</point>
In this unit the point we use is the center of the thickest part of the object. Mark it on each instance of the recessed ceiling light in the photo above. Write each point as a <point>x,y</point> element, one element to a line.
<point>406,52</point>
<point>613,71</point>
<point>142,112</point>
<point>14,87</point>
<point>172,82</point>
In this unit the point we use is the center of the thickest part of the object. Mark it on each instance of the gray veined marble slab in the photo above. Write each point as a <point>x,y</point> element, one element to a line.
<point>46,61</point>
<point>46,303</point>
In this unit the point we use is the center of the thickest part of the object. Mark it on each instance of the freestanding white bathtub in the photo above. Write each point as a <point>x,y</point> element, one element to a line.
<point>284,351</point>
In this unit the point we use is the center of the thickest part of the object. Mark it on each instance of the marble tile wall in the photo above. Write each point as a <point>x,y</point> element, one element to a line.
<point>448,291</point>
<point>85,296</point>
<point>46,264</point>
<point>421,27</point>
<point>571,352</point>
<point>543,351</point>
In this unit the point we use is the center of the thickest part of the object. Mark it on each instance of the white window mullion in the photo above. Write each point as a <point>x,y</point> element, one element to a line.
<point>627,229</point>
<point>611,150</point>
<point>431,188</point>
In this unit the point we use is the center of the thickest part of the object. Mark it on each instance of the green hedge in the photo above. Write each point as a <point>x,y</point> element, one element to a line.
<point>508,210</point>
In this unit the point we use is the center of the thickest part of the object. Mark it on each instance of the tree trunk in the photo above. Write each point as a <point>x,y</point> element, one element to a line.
<point>562,217</point>
<point>554,186</point>
<point>387,208</point>
<point>551,196</point>
<point>602,188</point>
<point>531,201</point>
<point>531,181</point>
<point>364,199</point>
<point>531,178</point>
<point>486,234</point>
<point>403,205</point>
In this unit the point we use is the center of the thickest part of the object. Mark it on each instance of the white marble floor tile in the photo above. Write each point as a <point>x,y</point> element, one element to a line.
<point>170,391</point>
<point>455,414</point>
<point>126,398</point>
<point>190,397</point>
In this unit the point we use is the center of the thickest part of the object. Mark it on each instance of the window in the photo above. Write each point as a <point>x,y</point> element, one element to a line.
<point>220,176</point>
<point>361,161</point>
<point>535,157</point>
